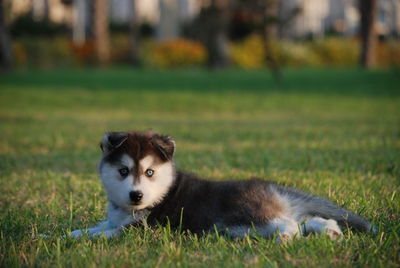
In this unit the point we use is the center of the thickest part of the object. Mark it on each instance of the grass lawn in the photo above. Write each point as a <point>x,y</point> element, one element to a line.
<point>335,133</point>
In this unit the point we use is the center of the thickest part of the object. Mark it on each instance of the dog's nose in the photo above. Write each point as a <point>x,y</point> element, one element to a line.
<point>136,196</point>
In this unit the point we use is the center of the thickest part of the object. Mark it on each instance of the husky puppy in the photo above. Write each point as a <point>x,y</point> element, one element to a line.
<point>142,184</point>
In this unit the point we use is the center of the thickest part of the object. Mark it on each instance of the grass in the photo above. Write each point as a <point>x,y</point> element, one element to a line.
<point>334,133</point>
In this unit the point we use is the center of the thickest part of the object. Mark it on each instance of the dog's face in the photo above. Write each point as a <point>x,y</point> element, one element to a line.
<point>137,168</point>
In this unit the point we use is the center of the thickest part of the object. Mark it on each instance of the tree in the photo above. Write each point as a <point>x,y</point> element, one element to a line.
<point>134,34</point>
<point>266,16</point>
<point>270,31</point>
<point>79,22</point>
<point>368,10</point>
<point>102,38</point>
<point>5,48</point>
<point>169,24</point>
<point>214,21</point>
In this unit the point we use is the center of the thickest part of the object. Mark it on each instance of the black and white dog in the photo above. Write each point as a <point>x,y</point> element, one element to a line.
<point>138,173</point>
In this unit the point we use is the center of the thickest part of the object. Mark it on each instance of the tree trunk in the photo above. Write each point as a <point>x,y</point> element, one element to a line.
<point>5,47</point>
<point>271,18</point>
<point>40,10</point>
<point>214,20</point>
<point>102,37</point>
<point>368,10</point>
<point>79,22</point>
<point>134,34</point>
<point>46,10</point>
<point>169,24</point>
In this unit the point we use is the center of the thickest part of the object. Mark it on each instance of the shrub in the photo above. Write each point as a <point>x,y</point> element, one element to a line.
<point>20,55</point>
<point>295,54</point>
<point>43,52</point>
<point>175,53</point>
<point>337,52</point>
<point>249,53</point>
<point>84,53</point>
<point>388,54</point>
<point>60,51</point>
<point>120,49</point>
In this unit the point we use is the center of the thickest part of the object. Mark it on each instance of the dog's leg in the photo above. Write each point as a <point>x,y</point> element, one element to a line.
<point>100,227</point>
<point>108,233</point>
<point>322,226</point>
<point>116,219</point>
<point>284,228</point>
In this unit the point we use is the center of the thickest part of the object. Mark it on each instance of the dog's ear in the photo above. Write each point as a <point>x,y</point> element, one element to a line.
<point>112,140</point>
<point>164,145</point>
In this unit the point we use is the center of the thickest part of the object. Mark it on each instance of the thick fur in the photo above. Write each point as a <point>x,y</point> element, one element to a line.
<point>187,202</point>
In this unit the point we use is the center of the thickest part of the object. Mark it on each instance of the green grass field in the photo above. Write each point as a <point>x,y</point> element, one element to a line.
<point>335,133</point>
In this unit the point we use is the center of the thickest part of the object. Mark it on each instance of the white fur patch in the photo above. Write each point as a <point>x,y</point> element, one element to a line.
<point>127,161</point>
<point>156,188</point>
<point>283,228</point>
<point>118,188</point>
<point>290,209</point>
<point>322,226</point>
<point>146,162</point>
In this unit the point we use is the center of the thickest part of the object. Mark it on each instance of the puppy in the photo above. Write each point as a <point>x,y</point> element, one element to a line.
<point>142,184</point>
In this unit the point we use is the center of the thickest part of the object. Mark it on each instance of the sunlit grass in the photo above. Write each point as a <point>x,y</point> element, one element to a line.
<point>334,133</point>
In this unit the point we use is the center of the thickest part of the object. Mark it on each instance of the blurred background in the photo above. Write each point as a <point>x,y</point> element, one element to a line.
<point>200,33</point>
<point>301,92</point>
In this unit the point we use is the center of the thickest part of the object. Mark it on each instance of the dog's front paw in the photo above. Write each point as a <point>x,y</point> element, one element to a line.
<point>95,232</point>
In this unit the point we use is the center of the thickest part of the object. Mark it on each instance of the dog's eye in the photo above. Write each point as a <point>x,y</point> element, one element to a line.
<point>123,172</point>
<point>149,172</point>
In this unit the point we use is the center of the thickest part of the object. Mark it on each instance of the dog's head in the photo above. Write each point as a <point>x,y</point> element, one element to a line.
<point>137,168</point>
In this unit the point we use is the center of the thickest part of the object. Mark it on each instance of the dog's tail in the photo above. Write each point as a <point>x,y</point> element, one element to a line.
<point>304,205</point>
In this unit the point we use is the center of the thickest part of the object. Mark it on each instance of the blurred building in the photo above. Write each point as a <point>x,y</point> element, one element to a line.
<point>343,17</point>
<point>149,10</point>
<point>54,10</point>
<point>389,17</point>
<point>320,17</point>
<point>315,18</point>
